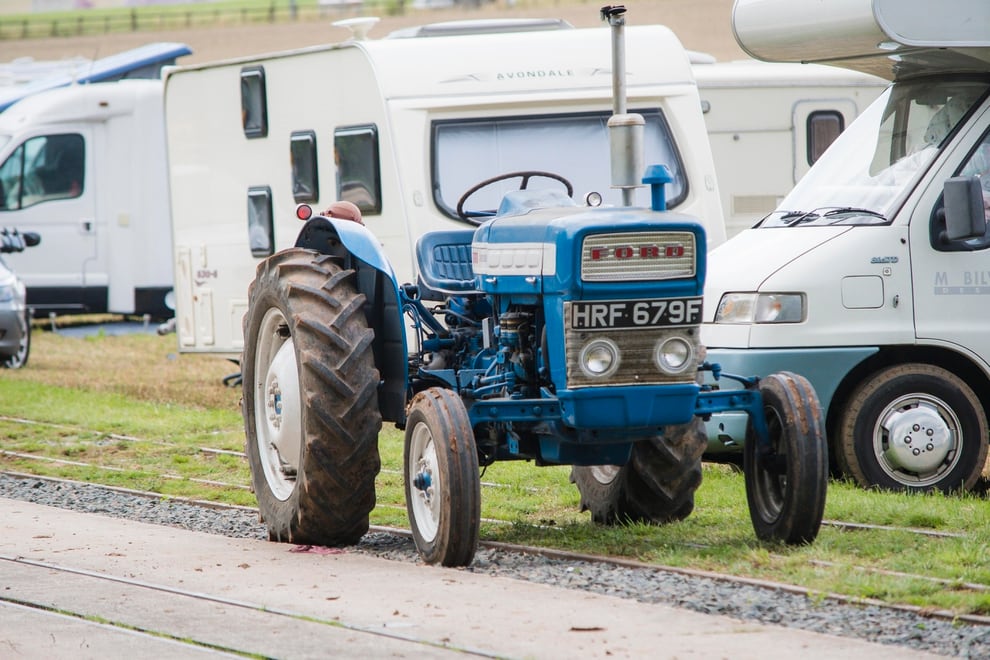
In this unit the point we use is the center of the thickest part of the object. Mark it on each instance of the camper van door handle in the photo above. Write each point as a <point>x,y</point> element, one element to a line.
<point>86,224</point>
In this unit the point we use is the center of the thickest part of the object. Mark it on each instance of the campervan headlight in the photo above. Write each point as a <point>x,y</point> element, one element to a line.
<point>761,308</point>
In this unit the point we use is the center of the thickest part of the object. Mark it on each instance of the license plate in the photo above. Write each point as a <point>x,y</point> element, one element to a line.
<point>606,314</point>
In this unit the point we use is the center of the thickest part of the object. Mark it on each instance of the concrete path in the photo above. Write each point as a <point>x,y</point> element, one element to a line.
<point>86,586</point>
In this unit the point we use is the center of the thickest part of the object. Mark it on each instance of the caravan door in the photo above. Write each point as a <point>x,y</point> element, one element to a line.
<point>45,188</point>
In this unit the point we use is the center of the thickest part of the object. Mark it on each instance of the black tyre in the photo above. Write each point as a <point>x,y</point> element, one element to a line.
<point>786,481</point>
<point>20,358</point>
<point>913,427</point>
<point>656,486</point>
<point>443,486</point>
<point>310,400</point>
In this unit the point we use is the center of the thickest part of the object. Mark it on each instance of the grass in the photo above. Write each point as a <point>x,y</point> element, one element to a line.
<point>129,411</point>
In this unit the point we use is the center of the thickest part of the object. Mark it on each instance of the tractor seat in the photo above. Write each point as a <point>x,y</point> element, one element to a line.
<point>444,259</point>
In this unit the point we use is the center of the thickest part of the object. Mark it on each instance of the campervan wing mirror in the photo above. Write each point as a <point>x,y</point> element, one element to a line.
<point>964,216</point>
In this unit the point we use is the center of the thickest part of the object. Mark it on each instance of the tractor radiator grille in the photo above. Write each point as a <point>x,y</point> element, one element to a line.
<point>631,256</point>
<point>636,362</point>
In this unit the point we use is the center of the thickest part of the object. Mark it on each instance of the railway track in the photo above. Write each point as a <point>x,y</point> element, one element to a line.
<point>518,561</point>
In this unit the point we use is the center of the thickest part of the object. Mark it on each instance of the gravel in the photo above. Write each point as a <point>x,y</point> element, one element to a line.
<point>701,594</point>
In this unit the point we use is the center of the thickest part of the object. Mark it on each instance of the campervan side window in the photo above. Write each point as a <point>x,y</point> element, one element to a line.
<point>43,169</point>
<point>575,146</point>
<point>823,127</point>
<point>359,180</point>
<point>254,102</point>
<point>302,154</point>
<point>261,231</point>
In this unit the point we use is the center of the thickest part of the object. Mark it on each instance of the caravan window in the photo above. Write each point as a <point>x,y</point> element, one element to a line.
<point>302,154</point>
<point>43,168</point>
<point>576,146</point>
<point>823,127</point>
<point>254,102</point>
<point>355,150</point>
<point>261,231</point>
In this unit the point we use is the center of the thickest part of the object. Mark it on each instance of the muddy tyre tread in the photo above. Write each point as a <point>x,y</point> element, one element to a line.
<point>335,484</point>
<point>786,491</point>
<point>658,484</point>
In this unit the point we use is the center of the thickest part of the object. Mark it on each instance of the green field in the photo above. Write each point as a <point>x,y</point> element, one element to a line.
<point>130,411</point>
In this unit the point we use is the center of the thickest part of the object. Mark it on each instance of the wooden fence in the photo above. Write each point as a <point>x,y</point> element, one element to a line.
<point>175,18</point>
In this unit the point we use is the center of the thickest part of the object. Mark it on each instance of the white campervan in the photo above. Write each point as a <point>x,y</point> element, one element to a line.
<point>404,127</point>
<point>871,277</point>
<point>84,167</point>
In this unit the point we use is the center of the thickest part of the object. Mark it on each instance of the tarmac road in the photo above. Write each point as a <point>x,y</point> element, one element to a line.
<point>76,585</point>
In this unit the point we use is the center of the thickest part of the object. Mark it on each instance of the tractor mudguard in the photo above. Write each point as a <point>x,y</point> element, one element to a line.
<point>324,234</point>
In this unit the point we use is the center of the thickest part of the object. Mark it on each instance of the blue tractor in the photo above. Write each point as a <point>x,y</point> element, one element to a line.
<point>554,332</point>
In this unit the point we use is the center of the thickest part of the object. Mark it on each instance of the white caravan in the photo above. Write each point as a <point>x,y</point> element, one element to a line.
<point>84,167</point>
<point>404,127</point>
<point>872,276</point>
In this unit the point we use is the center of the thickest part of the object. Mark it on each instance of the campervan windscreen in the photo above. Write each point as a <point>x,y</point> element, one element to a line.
<point>865,175</point>
<point>575,146</point>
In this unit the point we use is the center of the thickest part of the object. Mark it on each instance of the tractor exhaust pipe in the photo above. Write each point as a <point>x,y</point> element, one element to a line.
<point>625,130</point>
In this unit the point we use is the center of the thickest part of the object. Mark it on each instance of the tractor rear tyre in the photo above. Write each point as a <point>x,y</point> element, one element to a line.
<point>310,400</point>
<point>786,480</point>
<point>656,486</point>
<point>443,486</point>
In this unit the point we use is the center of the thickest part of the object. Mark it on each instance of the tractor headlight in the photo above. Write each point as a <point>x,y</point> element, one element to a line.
<point>761,308</point>
<point>599,358</point>
<point>673,355</point>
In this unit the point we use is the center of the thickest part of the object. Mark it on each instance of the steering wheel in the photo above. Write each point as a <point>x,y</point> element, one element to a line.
<point>525,175</point>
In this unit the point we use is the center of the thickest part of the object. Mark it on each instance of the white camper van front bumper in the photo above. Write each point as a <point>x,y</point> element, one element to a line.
<point>823,367</point>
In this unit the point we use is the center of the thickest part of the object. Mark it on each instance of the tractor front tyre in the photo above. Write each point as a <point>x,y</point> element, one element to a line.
<point>442,482</point>
<point>656,486</point>
<point>310,401</point>
<point>787,477</point>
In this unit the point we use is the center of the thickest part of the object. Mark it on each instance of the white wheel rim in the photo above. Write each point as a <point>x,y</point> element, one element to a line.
<point>605,474</point>
<point>916,440</point>
<point>277,405</point>
<point>426,484</point>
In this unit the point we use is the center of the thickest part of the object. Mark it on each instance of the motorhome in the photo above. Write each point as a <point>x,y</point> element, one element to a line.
<point>84,167</point>
<point>870,277</point>
<point>25,76</point>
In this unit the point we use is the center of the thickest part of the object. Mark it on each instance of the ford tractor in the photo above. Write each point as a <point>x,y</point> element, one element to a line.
<point>548,331</point>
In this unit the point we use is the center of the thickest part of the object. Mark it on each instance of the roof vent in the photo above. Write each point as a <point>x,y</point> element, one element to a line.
<point>359,26</point>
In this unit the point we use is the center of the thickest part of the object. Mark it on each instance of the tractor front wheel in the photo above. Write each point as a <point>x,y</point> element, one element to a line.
<point>310,400</point>
<point>656,486</point>
<point>443,485</point>
<point>786,477</point>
